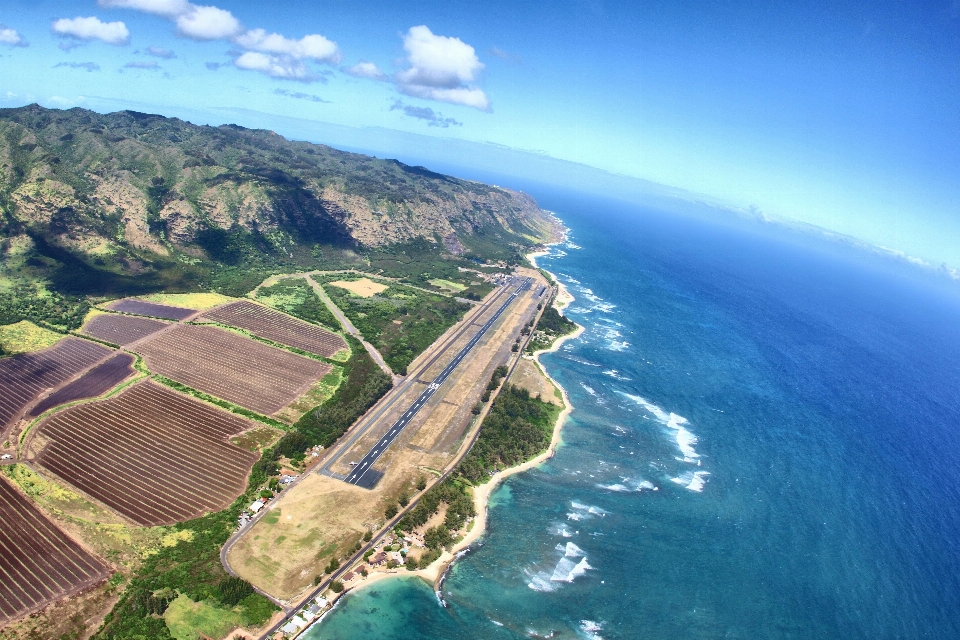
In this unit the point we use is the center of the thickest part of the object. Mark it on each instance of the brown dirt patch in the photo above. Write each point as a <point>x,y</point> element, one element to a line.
<point>364,287</point>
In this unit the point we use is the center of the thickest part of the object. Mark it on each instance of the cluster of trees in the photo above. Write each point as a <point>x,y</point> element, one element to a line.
<point>552,325</point>
<point>517,428</point>
<point>28,302</point>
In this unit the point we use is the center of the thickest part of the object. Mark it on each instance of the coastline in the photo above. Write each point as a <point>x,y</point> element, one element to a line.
<point>434,573</point>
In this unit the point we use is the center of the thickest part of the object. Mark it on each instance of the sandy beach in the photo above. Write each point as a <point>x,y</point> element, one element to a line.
<point>481,493</point>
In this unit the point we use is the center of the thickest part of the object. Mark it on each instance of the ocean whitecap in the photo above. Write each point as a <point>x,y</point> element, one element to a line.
<point>567,570</point>
<point>684,438</point>
<point>541,582</point>
<point>692,480</point>
<point>617,345</point>
<point>595,511</point>
<point>561,529</point>
<point>591,630</point>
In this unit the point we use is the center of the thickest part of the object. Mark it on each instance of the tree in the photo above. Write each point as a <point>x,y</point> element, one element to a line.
<point>367,536</point>
<point>336,586</point>
<point>421,483</point>
<point>390,511</point>
<point>404,499</point>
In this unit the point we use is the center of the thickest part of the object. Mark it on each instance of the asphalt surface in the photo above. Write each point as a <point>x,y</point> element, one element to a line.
<point>363,474</point>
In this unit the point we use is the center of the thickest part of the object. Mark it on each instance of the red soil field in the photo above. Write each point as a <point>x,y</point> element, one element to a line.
<point>121,330</point>
<point>230,366</point>
<point>278,327</point>
<point>142,308</point>
<point>93,383</point>
<point>150,453</point>
<point>24,377</point>
<point>39,563</point>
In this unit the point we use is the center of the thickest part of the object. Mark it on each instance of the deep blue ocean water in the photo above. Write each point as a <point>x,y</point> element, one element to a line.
<point>765,444</point>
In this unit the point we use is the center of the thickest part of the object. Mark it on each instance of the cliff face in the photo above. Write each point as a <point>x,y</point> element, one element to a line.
<point>126,189</point>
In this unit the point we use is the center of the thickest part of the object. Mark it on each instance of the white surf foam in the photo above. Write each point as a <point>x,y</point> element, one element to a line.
<point>570,550</point>
<point>561,529</point>
<point>617,345</point>
<point>685,438</point>
<point>541,582</point>
<point>616,375</point>
<point>575,516</point>
<point>588,389</point>
<point>567,570</point>
<point>591,630</point>
<point>692,480</point>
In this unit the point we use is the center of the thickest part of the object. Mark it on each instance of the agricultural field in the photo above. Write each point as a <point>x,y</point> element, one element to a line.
<point>277,327</point>
<point>93,383</point>
<point>39,563</point>
<point>399,321</point>
<point>232,367</point>
<point>295,297</point>
<point>120,329</point>
<point>153,455</point>
<point>142,308</point>
<point>24,377</point>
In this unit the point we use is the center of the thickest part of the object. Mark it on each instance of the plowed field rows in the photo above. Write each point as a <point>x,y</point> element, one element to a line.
<point>121,330</point>
<point>24,377</point>
<point>39,563</point>
<point>278,327</point>
<point>93,383</point>
<point>151,453</point>
<point>142,308</point>
<point>233,367</point>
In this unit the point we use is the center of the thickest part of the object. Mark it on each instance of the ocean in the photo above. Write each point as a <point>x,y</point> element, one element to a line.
<point>765,444</point>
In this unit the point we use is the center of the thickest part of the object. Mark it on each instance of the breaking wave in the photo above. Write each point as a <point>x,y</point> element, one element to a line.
<point>591,630</point>
<point>692,480</point>
<point>684,437</point>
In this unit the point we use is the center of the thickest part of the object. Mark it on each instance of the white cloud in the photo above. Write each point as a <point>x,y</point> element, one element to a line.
<point>208,23</point>
<point>284,67</point>
<point>441,68</point>
<point>269,53</point>
<point>364,69</point>
<point>165,8</point>
<point>92,29</point>
<point>10,37</point>
<point>313,46</point>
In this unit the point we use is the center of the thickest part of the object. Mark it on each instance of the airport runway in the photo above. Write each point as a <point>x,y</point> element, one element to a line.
<point>363,474</point>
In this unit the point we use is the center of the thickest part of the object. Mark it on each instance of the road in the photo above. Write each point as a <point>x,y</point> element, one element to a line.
<point>363,474</point>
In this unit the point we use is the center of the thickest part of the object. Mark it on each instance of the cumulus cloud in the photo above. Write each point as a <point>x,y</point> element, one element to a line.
<point>299,95</point>
<point>268,53</point>
<point>364,69</point>
<point>142,64</point>
<point>160,52</point>
<point>312,47</point>
<point>431,117</point>
<point>441,68</point>
<point>11,37</point>
<point>92,28</point>
<point>283,67</point>
<point>207,23</point>
<point>89,66</point>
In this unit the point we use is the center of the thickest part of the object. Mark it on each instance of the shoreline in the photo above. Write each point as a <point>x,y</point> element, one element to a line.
<point>435,573</point>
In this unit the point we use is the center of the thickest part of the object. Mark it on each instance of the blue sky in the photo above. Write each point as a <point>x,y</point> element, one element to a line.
<point>844,115</point>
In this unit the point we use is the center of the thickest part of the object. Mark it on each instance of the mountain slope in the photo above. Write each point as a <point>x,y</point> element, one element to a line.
<point>100,204</point>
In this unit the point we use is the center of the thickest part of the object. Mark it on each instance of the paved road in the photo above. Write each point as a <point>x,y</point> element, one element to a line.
<point>363,474</point>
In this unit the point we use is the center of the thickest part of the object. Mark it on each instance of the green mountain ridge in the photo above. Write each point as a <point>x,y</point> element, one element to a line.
<point>110,204</point>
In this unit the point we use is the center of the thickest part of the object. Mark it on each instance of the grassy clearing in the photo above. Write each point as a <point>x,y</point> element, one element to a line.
<point>189,620</point>
<point>257,439</point>
<point>24,337</point>
<point>198,301</point>
<point>362,287</point>
<point>453,287</point>
<point>318,394</point>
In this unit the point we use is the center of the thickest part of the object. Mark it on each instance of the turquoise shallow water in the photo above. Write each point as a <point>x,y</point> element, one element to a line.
<point>765,444</point>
